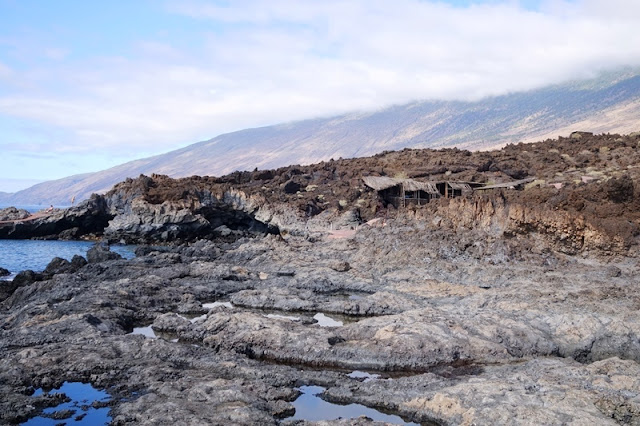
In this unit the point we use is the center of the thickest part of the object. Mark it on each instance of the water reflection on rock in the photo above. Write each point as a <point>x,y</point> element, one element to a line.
<point>325,321</point>
<point>284,317</point>
<point>145,331</point>
<point>363,375</point>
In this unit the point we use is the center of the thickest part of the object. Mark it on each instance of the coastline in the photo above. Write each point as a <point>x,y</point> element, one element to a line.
<point>499,306</point>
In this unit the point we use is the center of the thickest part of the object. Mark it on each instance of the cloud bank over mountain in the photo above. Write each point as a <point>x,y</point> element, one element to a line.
<point>608,104</point>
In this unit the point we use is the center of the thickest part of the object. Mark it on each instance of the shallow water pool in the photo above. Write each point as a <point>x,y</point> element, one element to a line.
<point>82,396</point>
<point>309,406</point>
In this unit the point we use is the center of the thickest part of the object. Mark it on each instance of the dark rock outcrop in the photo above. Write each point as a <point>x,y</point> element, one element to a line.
<point>291,187</point>
<point>101,253</point>
<point>63,266</point>
<point>580,201</point>
<point>89,218</point>
<point>24,278</point>
<point>620,190</point>
<point>6,289</point>
<point>57,266</point>
<point>12,213</point>
<point>78,262</point>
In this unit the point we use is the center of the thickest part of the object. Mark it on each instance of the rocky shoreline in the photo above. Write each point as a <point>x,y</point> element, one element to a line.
<point>476,310</point>
<point>519,344</point>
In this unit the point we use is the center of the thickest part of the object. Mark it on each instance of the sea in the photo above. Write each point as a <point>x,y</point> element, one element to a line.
<point>20,255</point>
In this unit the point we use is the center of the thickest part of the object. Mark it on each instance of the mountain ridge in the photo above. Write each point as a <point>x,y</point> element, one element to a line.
<point>608,103</point>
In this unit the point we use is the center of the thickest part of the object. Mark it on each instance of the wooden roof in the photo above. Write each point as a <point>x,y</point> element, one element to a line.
<point>464,187</point>
<point>380,183</point>
<point>508,184</point>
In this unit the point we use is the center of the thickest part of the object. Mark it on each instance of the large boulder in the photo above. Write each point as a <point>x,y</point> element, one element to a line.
<point>57,265</point>
<point>101,253</point>
<point>78,262</point>
<point>63,266</point>
<point>291,187</point>
<point>619,190</point>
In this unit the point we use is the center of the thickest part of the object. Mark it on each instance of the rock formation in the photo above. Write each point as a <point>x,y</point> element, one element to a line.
<point>502,307</point>
<point>584,198</point>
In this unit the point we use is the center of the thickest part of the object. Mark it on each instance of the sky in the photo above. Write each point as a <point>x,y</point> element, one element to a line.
<point>87,85</point>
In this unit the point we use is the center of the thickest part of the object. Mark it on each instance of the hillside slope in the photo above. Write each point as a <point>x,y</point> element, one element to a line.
<point>610,103</point>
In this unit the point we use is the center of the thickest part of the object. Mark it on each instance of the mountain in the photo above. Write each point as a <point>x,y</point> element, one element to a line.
<point>608,103</point>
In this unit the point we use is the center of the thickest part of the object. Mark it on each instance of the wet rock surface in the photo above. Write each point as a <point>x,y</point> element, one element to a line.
<point>464,340</point>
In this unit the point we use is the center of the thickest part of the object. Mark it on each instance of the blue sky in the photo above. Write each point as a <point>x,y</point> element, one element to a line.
<point>88,85</point>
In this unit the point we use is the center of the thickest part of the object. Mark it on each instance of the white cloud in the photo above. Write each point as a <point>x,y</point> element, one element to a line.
<point>268,62</point>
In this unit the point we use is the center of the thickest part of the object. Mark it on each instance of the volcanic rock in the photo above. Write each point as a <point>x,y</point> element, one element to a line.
<point>291,187</point>
<point>101,253</point>
<point>501,307</point>
<point>57,266</point>
<point>77,262</point>
<point>26,277</point>
<point>12,213</point>
<point>341,266</point>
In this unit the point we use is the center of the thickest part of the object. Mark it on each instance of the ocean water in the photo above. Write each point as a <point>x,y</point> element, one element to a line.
<point>32,208</point>
<point>19,255</point>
